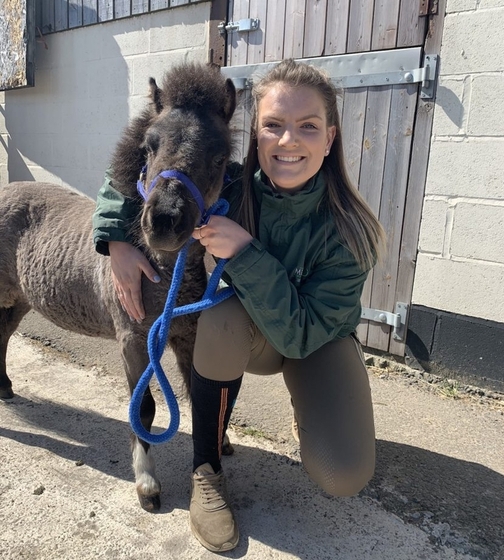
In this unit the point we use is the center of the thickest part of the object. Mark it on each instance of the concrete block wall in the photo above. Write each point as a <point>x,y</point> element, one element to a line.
<point>461,249</point>
<point>88,83</point>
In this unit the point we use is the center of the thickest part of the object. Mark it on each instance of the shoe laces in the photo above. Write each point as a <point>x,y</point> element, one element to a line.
<point>212,488</point>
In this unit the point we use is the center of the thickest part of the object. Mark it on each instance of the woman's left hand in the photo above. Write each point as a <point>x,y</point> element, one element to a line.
<point>222,237</point>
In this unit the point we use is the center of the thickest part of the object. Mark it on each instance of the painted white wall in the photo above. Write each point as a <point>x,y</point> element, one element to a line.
<point>88,83</point>
<point>461,249</point>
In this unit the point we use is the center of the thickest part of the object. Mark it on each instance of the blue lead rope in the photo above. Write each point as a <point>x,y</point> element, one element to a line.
<point>158,336</point>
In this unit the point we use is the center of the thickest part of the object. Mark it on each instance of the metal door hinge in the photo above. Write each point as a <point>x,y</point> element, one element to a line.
<point>377,68</point>
<point>241,26</point>
<point>396,320</point>
<point>428,7</point>
<point>426,75</point>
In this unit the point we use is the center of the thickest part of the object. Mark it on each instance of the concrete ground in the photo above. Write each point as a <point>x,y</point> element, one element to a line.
<point>67,492</point>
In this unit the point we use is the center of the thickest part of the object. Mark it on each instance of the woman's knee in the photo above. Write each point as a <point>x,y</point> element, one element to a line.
<point>223,340</point>
<point>342,478</point>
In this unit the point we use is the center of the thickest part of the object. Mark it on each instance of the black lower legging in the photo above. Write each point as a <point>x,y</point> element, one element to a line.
<point>329,389</point>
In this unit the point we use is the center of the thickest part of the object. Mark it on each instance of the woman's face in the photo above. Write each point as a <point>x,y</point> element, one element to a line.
<point>292,135</point>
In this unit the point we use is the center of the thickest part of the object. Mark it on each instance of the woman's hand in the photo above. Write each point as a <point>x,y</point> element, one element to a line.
<point>128,264</point>
<point>222,237</point>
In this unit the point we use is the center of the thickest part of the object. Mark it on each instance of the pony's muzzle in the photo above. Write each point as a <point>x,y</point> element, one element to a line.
<point>168,218</point>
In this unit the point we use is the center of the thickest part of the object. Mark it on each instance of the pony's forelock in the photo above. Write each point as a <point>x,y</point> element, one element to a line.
<point>187,87</point>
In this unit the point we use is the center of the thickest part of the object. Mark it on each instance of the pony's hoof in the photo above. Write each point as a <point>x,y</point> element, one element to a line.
<point>6,393</point>
<point>227,448</point>
<point>150,503</point>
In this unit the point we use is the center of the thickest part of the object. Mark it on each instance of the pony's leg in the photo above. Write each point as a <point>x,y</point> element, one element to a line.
<point>135,358</point>
<point>147,484</point>
<point>9,321</point>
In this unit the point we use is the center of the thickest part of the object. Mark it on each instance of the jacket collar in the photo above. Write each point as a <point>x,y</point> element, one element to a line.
<point>301,202</point>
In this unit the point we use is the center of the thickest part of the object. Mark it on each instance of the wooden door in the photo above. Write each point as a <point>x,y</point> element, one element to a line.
<point>379,121</point>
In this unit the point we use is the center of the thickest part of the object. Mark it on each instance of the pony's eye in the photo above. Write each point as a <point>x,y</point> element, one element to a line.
<point>152,142</point>
<point>219,160</point>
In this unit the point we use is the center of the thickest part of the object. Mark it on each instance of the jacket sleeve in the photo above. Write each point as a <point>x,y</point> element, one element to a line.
<point>113,217</point>
<point>298,320</point>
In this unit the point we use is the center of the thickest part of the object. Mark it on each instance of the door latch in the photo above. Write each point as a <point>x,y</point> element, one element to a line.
<point>240,26</point>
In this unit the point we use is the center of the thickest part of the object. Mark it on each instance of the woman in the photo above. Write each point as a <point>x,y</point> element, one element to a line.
<point>300,242</point>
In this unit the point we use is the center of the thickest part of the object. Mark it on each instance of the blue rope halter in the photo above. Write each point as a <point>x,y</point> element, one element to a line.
<point>158,334</point>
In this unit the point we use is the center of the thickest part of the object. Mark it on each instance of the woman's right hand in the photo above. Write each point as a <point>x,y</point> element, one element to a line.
<point>128,264</point>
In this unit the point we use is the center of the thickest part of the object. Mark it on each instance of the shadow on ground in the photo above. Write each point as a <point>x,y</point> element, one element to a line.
<point>456,502</point>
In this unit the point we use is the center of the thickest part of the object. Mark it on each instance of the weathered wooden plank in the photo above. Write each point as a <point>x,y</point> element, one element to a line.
<point>416,182</point>
<point>352,129</point>
<point>75,13</point>
<point>395,179</point>
<point>237,55</point>
<point>362,327</point>
<point>295,29</point>
<point>229,47</point>
<point>238,42</point>
<point>413,210</point>
<point>316,15</point>
<point>255,54</point>
<point>337,27</point>
<point>122,8</point>
<point>372,165</point>
<point>353,113</point>
<point>274,39</point>
<point>90,12</point>
<point>60,15</point>
<point>47,19</point>
<point>240,125</point>
<point>360,25</point>
<point>159,5</point>
<point>385,24</point>
<point>139,6</point>
<point>38,16</point>
<point>217,42</point>
<point>411,31</point>
<point>30,38</point>
<point>105,10</point>
<point>374,145</point>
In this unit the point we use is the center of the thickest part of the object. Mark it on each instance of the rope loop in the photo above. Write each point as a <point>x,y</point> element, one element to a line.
<point>158,336</point>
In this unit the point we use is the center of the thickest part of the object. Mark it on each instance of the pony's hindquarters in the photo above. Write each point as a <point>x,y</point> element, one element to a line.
<point>51,262</point>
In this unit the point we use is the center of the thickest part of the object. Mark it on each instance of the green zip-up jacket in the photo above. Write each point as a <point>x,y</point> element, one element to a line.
<point>298,283</point>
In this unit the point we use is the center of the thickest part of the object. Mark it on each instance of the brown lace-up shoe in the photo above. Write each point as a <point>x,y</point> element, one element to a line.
<point>212,521</point>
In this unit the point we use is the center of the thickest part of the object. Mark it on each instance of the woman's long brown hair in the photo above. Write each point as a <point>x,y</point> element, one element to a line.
<point>361,233</point>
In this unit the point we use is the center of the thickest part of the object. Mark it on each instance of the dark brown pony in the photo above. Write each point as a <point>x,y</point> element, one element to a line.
<point>48,260</point>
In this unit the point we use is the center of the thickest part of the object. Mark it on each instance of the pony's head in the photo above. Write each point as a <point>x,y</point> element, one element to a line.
<point>182,142</point>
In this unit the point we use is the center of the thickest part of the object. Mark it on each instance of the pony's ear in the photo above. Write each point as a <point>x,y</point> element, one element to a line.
<point>230,107</point>
<point>155,95</point>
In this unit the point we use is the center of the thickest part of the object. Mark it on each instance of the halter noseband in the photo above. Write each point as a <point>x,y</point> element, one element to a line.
<point>167,174</point>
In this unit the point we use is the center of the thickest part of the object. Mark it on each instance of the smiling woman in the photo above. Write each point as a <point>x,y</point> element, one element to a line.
<point>293,136</point>
<point>300,243</point>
